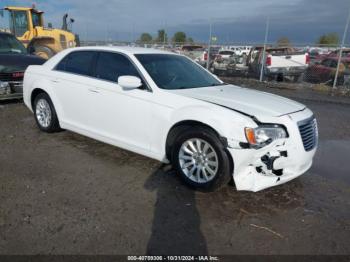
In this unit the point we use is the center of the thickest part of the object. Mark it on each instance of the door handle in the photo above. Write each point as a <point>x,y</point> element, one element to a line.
<point>93,90</point>
<point>55,81</point>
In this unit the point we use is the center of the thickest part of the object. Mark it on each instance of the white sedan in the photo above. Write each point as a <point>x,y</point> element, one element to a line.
<point>167,107</point>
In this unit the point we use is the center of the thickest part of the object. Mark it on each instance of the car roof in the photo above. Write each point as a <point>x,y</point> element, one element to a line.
<point>130,51</point>
<point>124,49</point>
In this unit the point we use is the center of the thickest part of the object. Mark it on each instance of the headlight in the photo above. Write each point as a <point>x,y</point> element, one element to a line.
<point>264,135</point>
<point>5,88</point>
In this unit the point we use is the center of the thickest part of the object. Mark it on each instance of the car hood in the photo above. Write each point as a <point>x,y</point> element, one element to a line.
<point>247,101</point>
<point>18,62</point>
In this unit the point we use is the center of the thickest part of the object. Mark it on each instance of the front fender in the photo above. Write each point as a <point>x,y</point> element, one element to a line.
<point>227,123</point>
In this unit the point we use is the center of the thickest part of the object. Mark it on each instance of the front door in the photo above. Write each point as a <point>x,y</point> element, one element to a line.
<point>122,115</point>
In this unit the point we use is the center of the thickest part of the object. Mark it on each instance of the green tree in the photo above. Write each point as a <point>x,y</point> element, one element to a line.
<point>145,38</point>
<point>179,37</point>
<point>190,40</point>
<point>283,42</point>
<point>162,36</point>
<point>330,39</point>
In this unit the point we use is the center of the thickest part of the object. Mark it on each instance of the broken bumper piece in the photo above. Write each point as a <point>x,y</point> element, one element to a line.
<point>272,165</point>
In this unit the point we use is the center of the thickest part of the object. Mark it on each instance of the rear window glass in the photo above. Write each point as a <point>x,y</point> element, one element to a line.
<point>77,63</point>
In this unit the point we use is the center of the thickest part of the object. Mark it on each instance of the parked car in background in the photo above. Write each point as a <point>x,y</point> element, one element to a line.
<point>280,63</point>
<point>324,71</point>
<point>167,107</point>
<point>224,65</point>
<point>192,51</point>
<point>202,59</point>
<point>241,50</point>
<point>227,63</point>
<point>316,52</point>
<point>226,54</point>
<point>14,59</point>
<point>333,54</point>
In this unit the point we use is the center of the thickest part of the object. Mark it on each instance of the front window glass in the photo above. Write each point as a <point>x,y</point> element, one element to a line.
<point>176,72</point>
<point>9,44</point>
<point>19,22</point>
<point>112,65</point>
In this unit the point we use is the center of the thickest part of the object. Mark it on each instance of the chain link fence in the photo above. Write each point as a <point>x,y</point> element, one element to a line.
<point>275,59</point>
<point>317,65</point>
<point>307,65</point>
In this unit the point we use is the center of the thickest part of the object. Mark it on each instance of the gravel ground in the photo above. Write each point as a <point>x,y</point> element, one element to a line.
<point>66,194</point>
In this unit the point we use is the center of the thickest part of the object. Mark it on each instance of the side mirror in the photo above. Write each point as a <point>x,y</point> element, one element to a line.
<point>31,50</point>
<point>129,82</point>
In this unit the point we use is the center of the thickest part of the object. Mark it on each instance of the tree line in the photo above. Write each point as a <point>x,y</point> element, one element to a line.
<point>329,40</point>
<point>162,37</point>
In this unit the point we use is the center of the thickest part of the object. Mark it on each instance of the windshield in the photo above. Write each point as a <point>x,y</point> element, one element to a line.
<point>9,44</point>
<point>176,72</point>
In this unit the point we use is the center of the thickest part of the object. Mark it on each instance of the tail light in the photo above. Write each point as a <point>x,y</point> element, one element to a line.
<point>268,60</point>
<point>307,58</point>
<point>205,56</point>
<point>18,74</point>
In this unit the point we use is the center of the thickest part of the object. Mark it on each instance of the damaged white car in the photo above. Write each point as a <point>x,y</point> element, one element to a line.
<point>167,107</point>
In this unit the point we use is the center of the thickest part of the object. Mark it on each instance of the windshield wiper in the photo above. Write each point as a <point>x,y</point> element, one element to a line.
<point>183,87</point>
<point>220,84</point>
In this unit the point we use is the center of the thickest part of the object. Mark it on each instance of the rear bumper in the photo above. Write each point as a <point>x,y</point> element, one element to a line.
<point>285,71</point>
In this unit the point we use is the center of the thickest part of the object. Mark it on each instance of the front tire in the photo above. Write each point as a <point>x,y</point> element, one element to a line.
<point>200,159</point>
<point>44,51</point>
<point>45,114</point>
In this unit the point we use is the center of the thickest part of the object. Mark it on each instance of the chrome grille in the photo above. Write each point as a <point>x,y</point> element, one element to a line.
<point>16,86</point>
<point>5,77</point>
<point>309,133</point>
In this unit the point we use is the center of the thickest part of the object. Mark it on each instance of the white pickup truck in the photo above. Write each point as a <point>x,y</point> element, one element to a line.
<point>280,63</point>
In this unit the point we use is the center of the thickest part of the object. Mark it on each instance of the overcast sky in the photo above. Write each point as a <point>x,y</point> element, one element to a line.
<point>237,21</point>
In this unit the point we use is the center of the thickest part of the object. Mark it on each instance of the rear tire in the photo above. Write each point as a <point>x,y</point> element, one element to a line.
<point>45,114</point>
<point>200,159</point>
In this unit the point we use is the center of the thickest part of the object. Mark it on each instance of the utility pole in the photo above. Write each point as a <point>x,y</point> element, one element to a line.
<point>164,36</point>
<point>264,51</point>
<point>209,46</point>
<point>341,50</point>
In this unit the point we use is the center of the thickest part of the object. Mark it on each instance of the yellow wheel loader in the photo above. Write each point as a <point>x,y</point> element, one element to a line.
<point>27,24</point>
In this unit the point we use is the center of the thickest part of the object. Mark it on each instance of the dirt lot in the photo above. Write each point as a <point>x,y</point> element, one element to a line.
<point>66,194</point>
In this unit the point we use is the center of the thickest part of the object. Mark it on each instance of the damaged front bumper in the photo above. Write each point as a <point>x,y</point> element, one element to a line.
<point>276,163</point>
